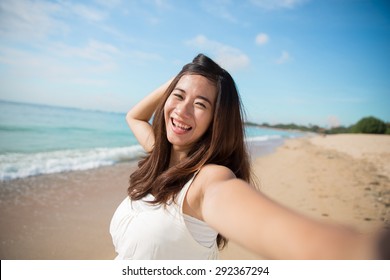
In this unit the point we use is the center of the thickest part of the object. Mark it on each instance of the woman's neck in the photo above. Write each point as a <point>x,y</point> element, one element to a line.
<point>177,156</point>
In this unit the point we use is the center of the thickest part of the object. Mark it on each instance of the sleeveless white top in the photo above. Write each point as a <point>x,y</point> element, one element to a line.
<point>141,230</point>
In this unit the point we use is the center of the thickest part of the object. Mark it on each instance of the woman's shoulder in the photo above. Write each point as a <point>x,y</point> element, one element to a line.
<point>207,177</point>
<point>212,173</point>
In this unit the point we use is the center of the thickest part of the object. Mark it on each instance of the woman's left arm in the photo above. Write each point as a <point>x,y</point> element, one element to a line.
<point>246,216</point>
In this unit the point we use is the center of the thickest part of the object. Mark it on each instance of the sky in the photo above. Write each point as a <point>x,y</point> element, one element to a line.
<point>309,62</point>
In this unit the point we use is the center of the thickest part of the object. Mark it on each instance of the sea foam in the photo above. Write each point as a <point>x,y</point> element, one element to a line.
<point>20,165</point>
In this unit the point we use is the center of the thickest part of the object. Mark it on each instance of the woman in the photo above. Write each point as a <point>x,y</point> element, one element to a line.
<point>193,190</point>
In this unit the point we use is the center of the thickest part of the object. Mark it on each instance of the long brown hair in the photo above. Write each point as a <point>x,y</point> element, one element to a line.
<point>222,144</point>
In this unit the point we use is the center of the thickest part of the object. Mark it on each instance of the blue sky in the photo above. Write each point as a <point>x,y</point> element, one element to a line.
<point>323,62</point>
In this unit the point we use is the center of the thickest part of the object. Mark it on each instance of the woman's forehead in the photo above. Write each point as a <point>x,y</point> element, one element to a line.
<point>197,85</point>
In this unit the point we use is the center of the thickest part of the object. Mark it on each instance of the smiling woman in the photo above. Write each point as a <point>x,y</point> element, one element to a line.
<point>188,133</point>
<point>193,191</point>
<point>188,112</point>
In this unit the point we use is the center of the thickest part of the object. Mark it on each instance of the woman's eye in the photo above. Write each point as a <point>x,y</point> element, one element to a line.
<point>179,96</point>
<point>201,105</point>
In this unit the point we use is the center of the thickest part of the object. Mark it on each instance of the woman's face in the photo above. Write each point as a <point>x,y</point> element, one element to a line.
<point>189,110</point>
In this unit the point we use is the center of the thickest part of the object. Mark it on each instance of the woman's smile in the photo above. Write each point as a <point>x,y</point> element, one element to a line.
<point>180,127</point>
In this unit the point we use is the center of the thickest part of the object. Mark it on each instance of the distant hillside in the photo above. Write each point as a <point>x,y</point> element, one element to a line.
<point>365,125</point>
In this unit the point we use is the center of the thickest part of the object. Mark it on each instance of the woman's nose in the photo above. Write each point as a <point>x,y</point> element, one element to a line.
<point>184,109</point>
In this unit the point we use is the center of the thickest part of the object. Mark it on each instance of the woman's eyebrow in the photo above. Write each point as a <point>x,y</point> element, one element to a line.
<point>198,96</point>
<point>205,99</point>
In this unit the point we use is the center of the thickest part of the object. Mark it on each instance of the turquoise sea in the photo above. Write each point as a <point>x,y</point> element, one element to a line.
<point>41,139</point>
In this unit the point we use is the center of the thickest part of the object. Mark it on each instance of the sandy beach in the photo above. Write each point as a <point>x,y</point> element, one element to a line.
<point>342,179</point>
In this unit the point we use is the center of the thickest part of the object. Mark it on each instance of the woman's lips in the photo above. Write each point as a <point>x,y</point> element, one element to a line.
<point>179,126</point>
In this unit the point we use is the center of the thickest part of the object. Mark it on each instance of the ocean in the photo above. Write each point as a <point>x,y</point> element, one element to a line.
<point>41,139</point>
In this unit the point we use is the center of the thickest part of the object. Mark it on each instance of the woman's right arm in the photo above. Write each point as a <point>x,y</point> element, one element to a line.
<point>244,215</point>
<point>138,117</point>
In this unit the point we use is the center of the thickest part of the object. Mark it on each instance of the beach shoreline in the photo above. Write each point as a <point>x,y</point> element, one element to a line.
<point>65,216</point>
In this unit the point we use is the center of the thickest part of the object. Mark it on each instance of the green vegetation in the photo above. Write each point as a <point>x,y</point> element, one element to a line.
<point>369,125</point>
<point>365,125</point>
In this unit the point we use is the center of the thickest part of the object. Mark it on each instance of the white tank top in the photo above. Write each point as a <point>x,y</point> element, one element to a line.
<point>141,230</point>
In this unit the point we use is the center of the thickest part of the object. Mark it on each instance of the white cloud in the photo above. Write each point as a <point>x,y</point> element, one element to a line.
<point>219,9</point>
<point>85,12</point>
<point>153,20</point>
<point>278,4</point>
<point>284,57</point>
<point>116,33</point>
<point>228,57</point>
<point>162,4</point>
<point>61,63</point>
<point>262,39</point>
<point>29,20</point>
<point>145,56</point>
<point>109,3</point>
<point>94,50</point>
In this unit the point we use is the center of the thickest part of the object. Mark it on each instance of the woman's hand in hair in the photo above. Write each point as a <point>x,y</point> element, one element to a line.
<point>138,117</point>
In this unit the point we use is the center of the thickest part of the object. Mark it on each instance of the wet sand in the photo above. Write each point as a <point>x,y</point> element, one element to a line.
<point>61,216</point>
<point>343,179</point>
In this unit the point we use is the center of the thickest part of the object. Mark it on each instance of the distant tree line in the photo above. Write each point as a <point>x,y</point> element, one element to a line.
<point>365,125</point>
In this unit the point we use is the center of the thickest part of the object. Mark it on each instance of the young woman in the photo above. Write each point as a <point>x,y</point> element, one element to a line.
<point>193,190</point>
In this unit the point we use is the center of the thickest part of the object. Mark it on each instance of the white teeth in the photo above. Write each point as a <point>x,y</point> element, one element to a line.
<point>180,125</point>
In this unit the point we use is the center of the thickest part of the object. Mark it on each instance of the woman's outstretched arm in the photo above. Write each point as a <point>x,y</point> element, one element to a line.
<point>138,117</point>
<point>244,215</point>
